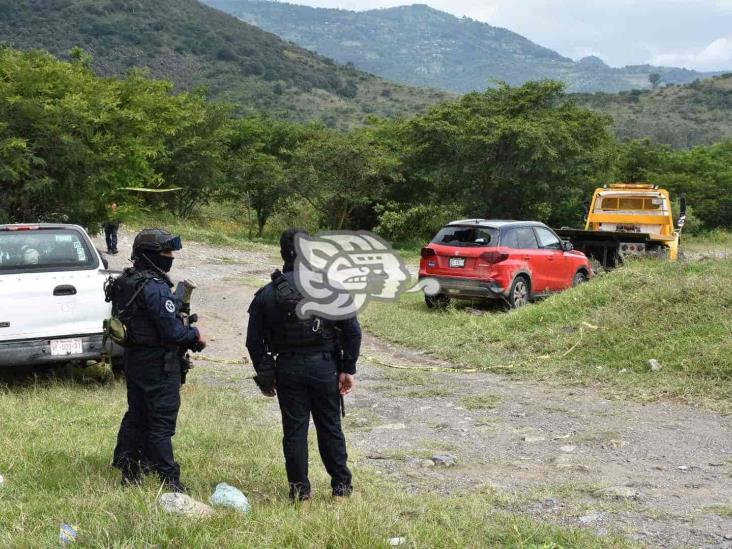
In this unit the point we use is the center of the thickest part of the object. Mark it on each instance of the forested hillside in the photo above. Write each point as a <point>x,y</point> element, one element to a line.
<point>422,46</point>
<point>699,113</point>
<point>195,45</point>
<point>72,141</point>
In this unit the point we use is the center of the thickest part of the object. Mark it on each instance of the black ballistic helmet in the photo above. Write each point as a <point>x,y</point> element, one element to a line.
<point>155,241</point>
<point>287,244</point>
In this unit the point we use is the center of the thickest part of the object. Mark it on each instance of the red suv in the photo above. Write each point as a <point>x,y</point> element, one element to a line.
<point>515,261</point>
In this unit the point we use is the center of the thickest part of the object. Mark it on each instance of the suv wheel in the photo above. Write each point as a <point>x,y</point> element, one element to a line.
<point>579,278</point>
<point>437,301</point>
<point>518,296</point>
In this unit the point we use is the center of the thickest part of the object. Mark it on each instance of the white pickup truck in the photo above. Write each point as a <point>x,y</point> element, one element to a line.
<point>51,295</point>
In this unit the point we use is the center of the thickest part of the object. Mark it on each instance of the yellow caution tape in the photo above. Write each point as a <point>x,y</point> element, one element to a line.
<point>231,361</point>
<point>375,360</point>
<point>145,190</point>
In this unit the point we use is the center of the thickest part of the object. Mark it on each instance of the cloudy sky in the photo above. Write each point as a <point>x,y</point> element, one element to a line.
<point>692,33</point>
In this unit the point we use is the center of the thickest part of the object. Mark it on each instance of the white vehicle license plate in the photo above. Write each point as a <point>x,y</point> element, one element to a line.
<point>63,347</point>
<point>457,262</point>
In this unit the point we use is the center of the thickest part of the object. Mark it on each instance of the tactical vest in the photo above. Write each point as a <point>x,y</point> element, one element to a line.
<point>294,333</point>
<point>125,293</point>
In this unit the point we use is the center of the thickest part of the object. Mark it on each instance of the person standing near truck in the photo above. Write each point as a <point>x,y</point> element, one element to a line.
<point>308,363</point>
<point>142,299</point>
<point>111,226</point>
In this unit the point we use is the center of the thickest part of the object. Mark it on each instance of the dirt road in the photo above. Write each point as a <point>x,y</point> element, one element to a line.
<point>659,474</point>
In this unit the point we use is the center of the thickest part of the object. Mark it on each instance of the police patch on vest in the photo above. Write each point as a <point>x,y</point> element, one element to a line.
<point>169,306</point>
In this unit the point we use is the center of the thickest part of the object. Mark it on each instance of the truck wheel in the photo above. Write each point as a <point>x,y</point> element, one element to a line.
<point>579,278</point>
<point>437,301</point>
<point>519,294</point>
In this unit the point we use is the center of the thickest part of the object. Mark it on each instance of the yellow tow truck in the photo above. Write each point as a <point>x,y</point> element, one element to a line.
<point>628,219</point>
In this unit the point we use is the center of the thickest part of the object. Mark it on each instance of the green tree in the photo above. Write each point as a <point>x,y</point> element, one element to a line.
<point>655,79</point>
<point>338,174</point>
<point>256,171</point>
<point>640,159</point>
<point>511,152</point>
<point>69,139</point>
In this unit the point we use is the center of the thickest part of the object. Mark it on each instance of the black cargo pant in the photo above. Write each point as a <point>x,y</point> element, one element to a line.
<point>307,383</point>
<point>144,442</point>
<point>110,235</point>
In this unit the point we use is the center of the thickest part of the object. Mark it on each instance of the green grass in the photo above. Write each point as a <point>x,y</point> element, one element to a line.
<point>485,401</point>
<point>57,438</point>
<point>715,241</point>
<point>217,225</point>
<point>601,334</point>
<point>720,510</point>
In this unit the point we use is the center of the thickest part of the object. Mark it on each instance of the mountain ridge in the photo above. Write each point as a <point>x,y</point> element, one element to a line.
<point>420,45</point>
<point>197,46</point>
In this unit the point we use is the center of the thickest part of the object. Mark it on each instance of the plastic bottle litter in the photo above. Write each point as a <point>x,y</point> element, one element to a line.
<point>67,534</point>
<point>228,496</point>
<point>2,481</point>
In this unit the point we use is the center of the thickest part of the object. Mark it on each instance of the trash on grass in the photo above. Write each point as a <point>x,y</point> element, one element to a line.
<point>67,534</point>
<point>226,495</point>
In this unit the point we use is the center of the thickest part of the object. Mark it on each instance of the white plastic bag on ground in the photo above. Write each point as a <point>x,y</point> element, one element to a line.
<point>67,534</point>
<point>182,504</point>
<point>228,496</point>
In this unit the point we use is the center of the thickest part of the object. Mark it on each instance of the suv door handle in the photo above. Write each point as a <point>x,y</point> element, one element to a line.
<point>64,289</point>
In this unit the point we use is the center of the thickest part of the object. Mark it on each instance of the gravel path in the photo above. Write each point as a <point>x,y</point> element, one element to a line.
<point>659,474</point>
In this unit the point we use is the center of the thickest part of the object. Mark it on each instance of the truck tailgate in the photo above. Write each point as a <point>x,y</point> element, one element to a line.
<point>54,304</point>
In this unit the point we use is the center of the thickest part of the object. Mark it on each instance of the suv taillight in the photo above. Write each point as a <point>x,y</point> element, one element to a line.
<point>427,252</point>
<point>493,257</point>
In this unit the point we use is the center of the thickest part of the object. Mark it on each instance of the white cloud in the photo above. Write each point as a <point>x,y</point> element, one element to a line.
<point>715,55</point>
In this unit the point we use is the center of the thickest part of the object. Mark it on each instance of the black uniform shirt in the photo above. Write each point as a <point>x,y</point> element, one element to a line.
<point>261,325</point>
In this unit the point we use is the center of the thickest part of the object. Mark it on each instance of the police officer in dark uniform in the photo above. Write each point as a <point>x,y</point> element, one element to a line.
<point>156,337</point>
<point>309,364</point>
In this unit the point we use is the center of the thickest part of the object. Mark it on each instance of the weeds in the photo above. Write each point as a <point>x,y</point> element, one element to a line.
<point>57,439</point>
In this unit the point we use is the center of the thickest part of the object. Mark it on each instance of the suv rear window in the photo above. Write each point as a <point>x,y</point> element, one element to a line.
<point>467,236</point>
<point>45,250</point>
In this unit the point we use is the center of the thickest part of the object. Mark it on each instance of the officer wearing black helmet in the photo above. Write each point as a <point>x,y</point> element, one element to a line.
<point>143,300</point>
<point>309,364</point>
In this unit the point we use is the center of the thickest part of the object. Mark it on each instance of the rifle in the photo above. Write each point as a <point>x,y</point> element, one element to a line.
<point>183,293</point>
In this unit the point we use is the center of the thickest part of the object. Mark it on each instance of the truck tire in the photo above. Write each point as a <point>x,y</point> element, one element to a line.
<point>520,292</point>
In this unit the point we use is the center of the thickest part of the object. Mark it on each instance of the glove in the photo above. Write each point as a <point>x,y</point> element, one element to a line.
<point>266,383</point>
<point>265,378</point>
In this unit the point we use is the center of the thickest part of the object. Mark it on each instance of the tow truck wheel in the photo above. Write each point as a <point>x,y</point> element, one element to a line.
<point>438,301</point>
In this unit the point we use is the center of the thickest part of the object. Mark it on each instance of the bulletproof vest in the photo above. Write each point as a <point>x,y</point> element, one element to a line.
<point>127,296</point>
<point>293,333</point>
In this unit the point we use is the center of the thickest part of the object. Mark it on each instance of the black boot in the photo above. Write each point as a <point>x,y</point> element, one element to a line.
<point>174,485</point>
